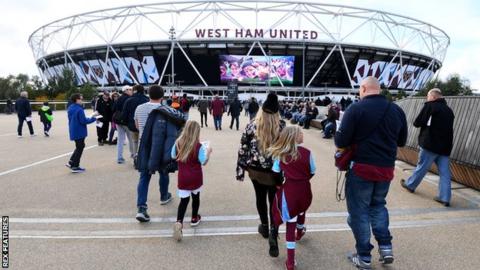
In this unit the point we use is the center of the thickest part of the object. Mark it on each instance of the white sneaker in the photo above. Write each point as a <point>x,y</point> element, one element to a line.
<point>33,135</point>
<point>19,136</point>
<point>177,231</point>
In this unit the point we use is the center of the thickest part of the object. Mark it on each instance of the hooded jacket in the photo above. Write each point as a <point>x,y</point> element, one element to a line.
<point>158,137</point>
<point>436,127</point>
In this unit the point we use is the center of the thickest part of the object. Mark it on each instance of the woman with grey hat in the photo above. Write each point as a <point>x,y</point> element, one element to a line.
<point>261,133</point>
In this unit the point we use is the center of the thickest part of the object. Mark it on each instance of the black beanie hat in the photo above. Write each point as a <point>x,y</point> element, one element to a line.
<point>271,104</point>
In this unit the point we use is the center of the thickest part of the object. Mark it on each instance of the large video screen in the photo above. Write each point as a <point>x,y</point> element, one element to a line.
<point>257,69</point>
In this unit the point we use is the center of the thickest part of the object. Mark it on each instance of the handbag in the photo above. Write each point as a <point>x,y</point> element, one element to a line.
<point>343,157</point>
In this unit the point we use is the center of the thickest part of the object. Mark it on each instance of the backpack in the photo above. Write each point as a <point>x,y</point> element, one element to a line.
<point>118,118</point>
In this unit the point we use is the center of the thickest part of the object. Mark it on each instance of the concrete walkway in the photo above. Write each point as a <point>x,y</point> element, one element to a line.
<point>86,221</point>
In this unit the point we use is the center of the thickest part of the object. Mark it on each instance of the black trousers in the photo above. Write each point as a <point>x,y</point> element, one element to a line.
<point>182,207</point>
<point>262,192</point>
<point>47,126</point>
<point>77,154</point>
<point>20,125</point>
<point>234,118</point>
<point>202,115</point>
<point>102,133</point>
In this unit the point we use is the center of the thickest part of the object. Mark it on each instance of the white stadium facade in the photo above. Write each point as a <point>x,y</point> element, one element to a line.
<point>200,46</point>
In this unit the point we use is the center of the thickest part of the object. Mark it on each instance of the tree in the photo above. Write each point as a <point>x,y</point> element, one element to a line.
<point>454,85</point>
<point>401,94</point>
<point>62,84</point>
<point>11,86</point>
<point>387,94</point>
<point>87,90</point>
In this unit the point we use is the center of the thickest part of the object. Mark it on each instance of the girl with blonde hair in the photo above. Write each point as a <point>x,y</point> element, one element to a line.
<point>294,197</point>
<point>253,157</point>
<point>190,155</point>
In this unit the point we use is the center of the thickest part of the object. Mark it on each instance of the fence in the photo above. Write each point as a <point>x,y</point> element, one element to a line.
<point>36,105</point>
<point>465,157</point>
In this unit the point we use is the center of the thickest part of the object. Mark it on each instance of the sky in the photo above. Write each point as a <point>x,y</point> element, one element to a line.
<point>459,19</point>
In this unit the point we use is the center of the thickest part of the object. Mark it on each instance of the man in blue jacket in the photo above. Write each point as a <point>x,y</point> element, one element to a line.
<point>24,113</point>
<point>77,127</point>
<point>159,127</point>
<point>375,128</point>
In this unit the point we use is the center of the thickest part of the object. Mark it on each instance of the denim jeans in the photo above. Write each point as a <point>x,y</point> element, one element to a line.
<point>142,188</point>
<point>218,121</point>
<point>366,209</point>
<point>425,160</point>
<point>328,131</point>
<point>122,133</point>
<point>301,119</point>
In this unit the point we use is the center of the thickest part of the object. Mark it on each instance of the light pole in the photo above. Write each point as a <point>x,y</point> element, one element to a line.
<point>303,66</point>
<point>173,40</point>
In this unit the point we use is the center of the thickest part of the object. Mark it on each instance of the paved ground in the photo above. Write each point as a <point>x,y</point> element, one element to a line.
<point>86,221</point>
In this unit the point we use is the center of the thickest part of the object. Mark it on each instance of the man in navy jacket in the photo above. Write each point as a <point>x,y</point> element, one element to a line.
<point>158,135</point>
<point>128,112</point>
<point>24,113</point>
<point>374,127</point>
<point>77,127</point>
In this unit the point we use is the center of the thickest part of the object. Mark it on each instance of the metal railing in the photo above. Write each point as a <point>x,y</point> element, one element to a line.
<point>55,105</point>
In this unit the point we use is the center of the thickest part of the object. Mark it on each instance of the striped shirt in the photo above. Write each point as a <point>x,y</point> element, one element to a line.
<point>141,114</point>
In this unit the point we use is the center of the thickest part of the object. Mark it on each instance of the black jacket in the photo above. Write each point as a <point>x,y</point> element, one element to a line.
<point>253,107</point>
<point>312,113</point>
<point>117,109</point>
<point>436,136</point>
<point>104,108</point>
<point>376,144</point>
<point>22,106</point>
<point>128,111</point>
<point>235,108</point>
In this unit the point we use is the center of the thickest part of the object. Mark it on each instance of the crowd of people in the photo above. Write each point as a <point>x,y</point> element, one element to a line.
<point>162,139</point>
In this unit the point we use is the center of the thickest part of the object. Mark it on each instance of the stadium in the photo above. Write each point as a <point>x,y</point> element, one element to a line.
<point>201,47</point>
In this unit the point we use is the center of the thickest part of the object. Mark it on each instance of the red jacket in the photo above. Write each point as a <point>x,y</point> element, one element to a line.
<point>217,108</point>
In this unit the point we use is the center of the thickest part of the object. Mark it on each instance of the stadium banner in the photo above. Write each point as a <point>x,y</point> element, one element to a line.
<point>392,75</point>
<point>112,71</point>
